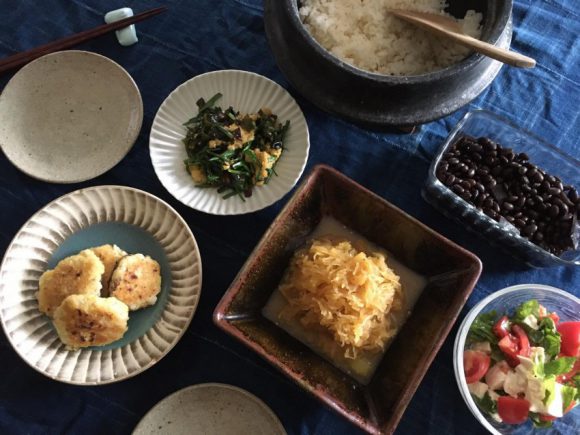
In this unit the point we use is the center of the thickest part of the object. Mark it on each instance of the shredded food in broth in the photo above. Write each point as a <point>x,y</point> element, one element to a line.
<point>345,291</point>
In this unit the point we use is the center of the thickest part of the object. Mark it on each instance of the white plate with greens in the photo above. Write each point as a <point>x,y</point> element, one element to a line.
<point>246,93</point>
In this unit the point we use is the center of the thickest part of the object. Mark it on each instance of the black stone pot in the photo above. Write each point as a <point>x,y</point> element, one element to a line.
<point>376,100</point>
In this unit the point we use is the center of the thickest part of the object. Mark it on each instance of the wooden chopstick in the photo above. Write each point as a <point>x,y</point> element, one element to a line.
<point>24,57</point>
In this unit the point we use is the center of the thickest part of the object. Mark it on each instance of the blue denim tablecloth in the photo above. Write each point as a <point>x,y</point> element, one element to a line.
<point>196,36</point>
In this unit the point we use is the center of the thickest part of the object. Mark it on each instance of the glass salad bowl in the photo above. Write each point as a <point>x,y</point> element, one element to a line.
<point>566,305</point>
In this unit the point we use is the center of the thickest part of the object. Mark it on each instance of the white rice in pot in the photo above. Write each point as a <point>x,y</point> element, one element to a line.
<point>363,34</point>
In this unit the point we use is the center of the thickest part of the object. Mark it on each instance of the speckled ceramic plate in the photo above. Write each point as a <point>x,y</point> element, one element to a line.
<point>210,409</point>
<point>69,116</point>
<point>137,222</point>
<point>245,92</point>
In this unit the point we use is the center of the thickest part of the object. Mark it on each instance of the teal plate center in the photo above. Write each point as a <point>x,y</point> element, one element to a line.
<point>133,240</point>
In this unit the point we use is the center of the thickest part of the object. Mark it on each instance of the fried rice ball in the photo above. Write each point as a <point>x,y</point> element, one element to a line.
<point>109,256</point>
<point>136,281</point>
<point>89,320</point>
<point>77,274</point>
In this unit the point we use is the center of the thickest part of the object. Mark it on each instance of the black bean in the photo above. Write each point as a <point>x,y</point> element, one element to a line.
<point>554,191</point>
<point>525,180</point>
<point>486,143</point>
<point>535,176</point>
<point>458,189</point>
<point>519,223</point>
<point>566,200</point>
<point>505,151</point>
<point>532,214</point>
<point>530,202</point>
<point>449,180</point>
<point>507,173</point>
<point>475,147</point>
<point>528,230</point>
<point>525,188</point>
<point>545,186</point>
<point>507,206</point>
<point>490,161</point>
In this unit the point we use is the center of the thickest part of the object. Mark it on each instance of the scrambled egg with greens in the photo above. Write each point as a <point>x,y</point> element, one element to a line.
<point>231,151</point>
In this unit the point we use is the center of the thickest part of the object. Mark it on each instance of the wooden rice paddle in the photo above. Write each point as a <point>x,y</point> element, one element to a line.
<point>449,28</point>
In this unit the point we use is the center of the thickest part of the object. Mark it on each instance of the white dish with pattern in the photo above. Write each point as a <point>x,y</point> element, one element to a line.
<point>246,92</point>
<point>137,222</point>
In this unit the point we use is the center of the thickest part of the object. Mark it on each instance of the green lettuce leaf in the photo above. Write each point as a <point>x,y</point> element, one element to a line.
<point>524,310</point>
<point>481,328</point>
<point>576,382</point>
<point>545,336</point>
<point>568,395</point>
<point>486,404</point>
<point>549,390</point>
<point>559,366</point>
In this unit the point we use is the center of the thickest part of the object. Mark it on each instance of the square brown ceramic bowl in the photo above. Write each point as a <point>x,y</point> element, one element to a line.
<point>451,272</point>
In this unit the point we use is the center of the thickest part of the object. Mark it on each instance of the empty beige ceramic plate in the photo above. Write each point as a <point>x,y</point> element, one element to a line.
<point>69,116</point>
<point>210,409</point>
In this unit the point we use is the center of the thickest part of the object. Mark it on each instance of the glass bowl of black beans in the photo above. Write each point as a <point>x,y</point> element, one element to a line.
<point>510,187</point>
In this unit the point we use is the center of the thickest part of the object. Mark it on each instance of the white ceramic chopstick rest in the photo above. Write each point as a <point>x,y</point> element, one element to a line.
<point>127,35</point>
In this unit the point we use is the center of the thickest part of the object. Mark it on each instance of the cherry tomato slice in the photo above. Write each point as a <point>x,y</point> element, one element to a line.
<point>523,341</point>
<point>509,346</point>
<point>501,327</point>
<point>544,417</point>
<point>570,332</point>
<point>475,365</point>
<point>513,410</point>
